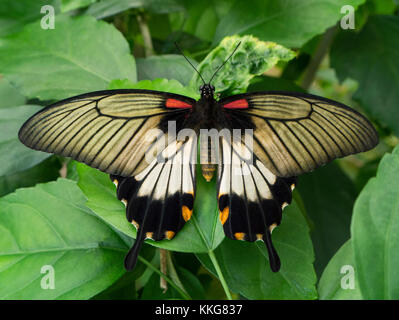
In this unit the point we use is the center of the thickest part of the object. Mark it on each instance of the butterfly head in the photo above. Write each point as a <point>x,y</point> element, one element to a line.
<point>207,90</point>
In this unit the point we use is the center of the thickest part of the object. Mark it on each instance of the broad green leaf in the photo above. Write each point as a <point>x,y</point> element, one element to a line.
<point>202,233</point>
<point>14,156</point>
<point>45,171</point>
<point>124,288</point>
<point>288,22</point>
<point>246,269</point>
<point>172,86</point>
<point>107,8</point>
<point>79,55</point>
<point>371,57</point>
<point>383,6</point>
<point>200,18</point>
<point>328,195</point>
<point>374,232</point>
<point>339,276</point>
<point>15,14</point>
<point>49,225</point>
<point>168,66</point>
<point>265,83</point>
<point>252,58</point>
<point>9,96</point>
<point>69,5</point>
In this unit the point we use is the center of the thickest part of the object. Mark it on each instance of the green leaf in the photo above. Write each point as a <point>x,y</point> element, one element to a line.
<point>69,5</point>
<point>202,233</point>
<point>9,96</point>
<point>264,83</point>
<point>14,156</point>
<point>48,225</point>
<point>125,287</point>
<point>329,196</point>
<point>253,57</point>
<point>172,86</point>
<point>79,55</point>
<point>288,22</point>
<point>371,57</point>
<point>107,8</point>
<point>43,172</point>
<point>246,268</point>
<point>15,14</point>
<point>374,232</point>
<point>200,18</point>
<point>168,66</point>
<point>342,264</point>
<point>383,6</point>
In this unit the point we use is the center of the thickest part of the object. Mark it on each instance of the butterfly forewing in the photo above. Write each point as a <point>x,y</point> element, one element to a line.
<point>109,130</point>
<point>296,133</point>
<point>124,133</point>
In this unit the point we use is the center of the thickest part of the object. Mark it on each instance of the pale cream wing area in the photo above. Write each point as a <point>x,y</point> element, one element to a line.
<point>296,133</point>
<point>110,131</point>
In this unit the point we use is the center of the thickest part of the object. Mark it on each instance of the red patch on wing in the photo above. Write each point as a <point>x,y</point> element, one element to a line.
<point>237,104</point>
<point>173,103</point>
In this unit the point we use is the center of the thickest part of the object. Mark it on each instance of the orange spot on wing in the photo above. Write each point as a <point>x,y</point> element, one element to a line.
<point>149,235</point>
<point>239,235</point>
<point>173,103</point>
<point>237,104</point>
<point>224,215</point>
<point>186,213</point>
<point>135,224</point>
<point>169,234</point>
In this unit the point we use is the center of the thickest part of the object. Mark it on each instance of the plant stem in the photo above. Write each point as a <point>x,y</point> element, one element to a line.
<point>145,32</point>
<point>220,274</point>
<point>318,56</point>
<point>164,269</point>
<point>172,271</point>
<point>149,265</point>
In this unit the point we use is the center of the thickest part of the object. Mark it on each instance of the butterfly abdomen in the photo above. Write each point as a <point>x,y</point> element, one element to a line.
<point>208,159</point>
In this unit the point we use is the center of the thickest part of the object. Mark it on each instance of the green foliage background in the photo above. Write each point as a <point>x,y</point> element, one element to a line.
<point>62,213</point>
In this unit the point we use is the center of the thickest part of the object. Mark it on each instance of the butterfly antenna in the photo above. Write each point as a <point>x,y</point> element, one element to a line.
<point>181,51</point>
<point>225,61</point>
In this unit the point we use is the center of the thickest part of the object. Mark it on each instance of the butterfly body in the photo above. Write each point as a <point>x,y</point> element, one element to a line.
<point>126,133</point>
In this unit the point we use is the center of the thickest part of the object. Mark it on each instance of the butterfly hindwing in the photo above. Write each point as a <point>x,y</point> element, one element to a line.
<point>250,197</point>
<point>160,199</point>
<point>295,133</point>
<point>108,130</point>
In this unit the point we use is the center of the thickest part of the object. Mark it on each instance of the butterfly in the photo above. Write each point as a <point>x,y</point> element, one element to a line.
<point>126,133</point>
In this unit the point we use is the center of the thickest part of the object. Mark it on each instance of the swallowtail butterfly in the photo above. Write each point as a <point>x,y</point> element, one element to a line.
<point>113,131</point>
